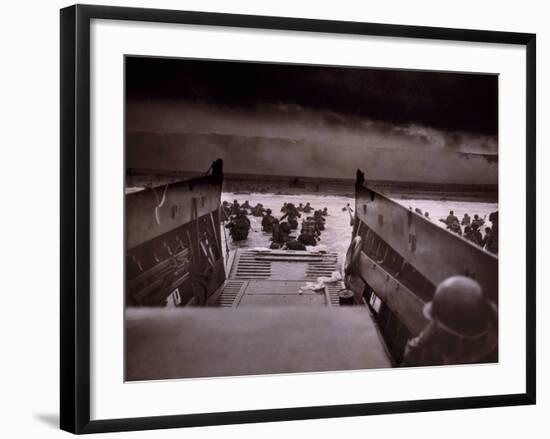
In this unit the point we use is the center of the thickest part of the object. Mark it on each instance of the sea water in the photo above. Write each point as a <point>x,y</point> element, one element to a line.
<point>337,234</point>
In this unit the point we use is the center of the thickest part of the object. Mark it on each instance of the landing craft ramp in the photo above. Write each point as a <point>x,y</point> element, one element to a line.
<point>261,321</point>
<point>278,277</point>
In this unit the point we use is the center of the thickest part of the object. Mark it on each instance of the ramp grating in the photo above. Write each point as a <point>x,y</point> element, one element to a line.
<point>323,266</point>
<point>332,292</point>
<point>248,266</point>
<point>230,293</point>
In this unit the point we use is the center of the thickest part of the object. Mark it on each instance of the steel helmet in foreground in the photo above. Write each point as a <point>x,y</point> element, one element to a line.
<point>460,308</point>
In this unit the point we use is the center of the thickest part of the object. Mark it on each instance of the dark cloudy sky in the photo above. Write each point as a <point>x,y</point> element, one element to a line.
<point>263,111</point>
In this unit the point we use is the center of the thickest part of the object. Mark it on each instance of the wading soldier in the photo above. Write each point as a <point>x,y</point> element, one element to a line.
<point>293,244</point>
<point>309,232</point>
<point>451,218</point>
<point>235,207</point>
<point>491,240</point>
<point>292,214</point>
<point>475,236</point>
<point>239,226</point>
<point>267,221</point>
<point>477,221</point>
<point>279,234</point>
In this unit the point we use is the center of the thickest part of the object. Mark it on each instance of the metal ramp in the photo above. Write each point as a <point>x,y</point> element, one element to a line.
<point>276,277</point>
<point>312,334</point>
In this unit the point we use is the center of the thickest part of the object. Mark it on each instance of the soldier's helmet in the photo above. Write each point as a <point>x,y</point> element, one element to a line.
<point>268,211</point>
<point>460,308</point>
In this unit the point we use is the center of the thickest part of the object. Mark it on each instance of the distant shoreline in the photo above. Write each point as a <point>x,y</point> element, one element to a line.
<point>401,190</point>
<point>283,185</point>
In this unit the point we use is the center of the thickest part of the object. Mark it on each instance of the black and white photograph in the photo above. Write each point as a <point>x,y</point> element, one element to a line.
<point>297,218</point>
<point>275,219</point>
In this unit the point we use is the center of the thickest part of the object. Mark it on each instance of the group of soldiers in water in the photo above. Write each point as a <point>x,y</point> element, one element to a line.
<point>280,228</point>
<point>471,229</point>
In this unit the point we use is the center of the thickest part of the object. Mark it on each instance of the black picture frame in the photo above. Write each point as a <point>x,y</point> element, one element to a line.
<point>75,217</point>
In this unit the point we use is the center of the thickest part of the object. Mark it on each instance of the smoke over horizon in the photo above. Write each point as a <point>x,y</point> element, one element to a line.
<point>296,123</point>
<point>279,157</point>
<point>312,121</point>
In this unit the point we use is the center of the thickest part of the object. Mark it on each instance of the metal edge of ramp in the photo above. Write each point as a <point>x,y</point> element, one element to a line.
<point>209,342</point>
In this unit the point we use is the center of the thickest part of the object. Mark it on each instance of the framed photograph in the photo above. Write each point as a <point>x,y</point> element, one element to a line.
<point>268,218</point>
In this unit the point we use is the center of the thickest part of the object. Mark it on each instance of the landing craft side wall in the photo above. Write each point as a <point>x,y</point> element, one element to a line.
<point>178,208</point>
<point>433,251</point>
<point>402,301</point>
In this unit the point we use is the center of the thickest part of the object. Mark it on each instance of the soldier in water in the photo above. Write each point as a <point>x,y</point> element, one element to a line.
<point>258,210</point>
<point>477,221</point>
<point>267,221</point>
<point>319,220</point>
<point>279,234</point>
<point>285,228</point>
<point>235,207</point>
<point>462,327</point>
<point>348,208</point>
<point>491,240</point>
<point>455,227</point>
<point>487,236</point>
<point>225,211</point>
<point>468,233</point>
<point>293,244</point>
<point>239,226</point>
<point>451,218</point>
<point>309,232</point>
<point>475,236</point>
<point>452,223</point>
<point>292,214</point>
